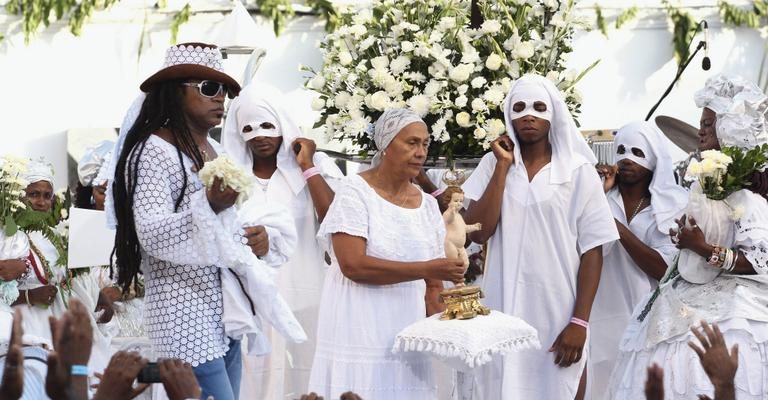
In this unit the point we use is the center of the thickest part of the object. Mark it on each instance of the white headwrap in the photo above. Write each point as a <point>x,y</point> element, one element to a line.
<point>103,176</point>
<point>39,170</point>
<point>740,107</point>
<point>389,124</point>
<point>130,118</point>
<point>668,199</point>
<point>569,148</point>
<point>254,105</point>
<point>93,161</point>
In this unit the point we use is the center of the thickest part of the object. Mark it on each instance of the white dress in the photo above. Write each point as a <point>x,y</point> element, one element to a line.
<point>532,267</point>
<point>622,285</point>
<point>358,322</point>
<point>284,373</point>
<point>739,305</point>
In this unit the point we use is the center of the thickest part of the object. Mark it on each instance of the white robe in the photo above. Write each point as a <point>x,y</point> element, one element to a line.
<point>532,267</point>
<point>622,285</point>
<point>284,373</point>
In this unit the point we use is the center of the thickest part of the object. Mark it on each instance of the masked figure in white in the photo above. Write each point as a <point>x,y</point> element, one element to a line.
<point>730,291</point>
<point>645,200</point>
<point>541,204</point>
<point>261,136</point>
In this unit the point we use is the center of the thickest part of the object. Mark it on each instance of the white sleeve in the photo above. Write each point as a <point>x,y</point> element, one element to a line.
<point>661,243</point>
<point>751,235</point>
<point>280,227</point>
<point>475,185</point>
<point>328,169</point>
<point>347,214</point>
<point>195,236</point>
<point>595,225</point>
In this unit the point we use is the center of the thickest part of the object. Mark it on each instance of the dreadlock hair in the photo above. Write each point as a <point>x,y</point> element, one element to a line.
<point>162,108</point>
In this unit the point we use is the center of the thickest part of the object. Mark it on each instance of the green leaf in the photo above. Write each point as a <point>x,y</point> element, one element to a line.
<point>601,21</point>
<point>179,18</point>
<point>10,226</point>
<point>626,16</point>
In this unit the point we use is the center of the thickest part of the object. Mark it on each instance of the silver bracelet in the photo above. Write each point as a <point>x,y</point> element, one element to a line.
<point>27,271</point>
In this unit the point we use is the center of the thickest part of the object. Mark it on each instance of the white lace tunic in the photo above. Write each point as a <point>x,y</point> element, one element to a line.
<point>358,322</point>
<point>183,299</point>
<point>738,303</point>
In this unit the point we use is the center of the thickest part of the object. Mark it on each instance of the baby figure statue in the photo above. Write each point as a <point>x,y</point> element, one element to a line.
<point>455,229</point>
<point>461,301</point>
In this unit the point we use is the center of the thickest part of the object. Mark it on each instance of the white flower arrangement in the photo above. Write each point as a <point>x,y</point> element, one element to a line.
<point>423,54</point>
<point>12,186</point>
<point>231,175</point>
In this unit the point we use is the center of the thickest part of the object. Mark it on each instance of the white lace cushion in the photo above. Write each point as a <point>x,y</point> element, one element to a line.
<point>466,344</point>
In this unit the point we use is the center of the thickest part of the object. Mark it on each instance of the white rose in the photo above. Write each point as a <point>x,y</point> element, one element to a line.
<point>478,105</point>
<point>463,119</point>
<point>345,58</point>
<point>380,62</point>
<point>317,82</point>
<point>496,127</point>
<point>432,88</point>
<point>461,101</point>
<point>491,26</point>
<point>446,23</point>
<point>478,82</point>
<point>358,30</point>
<point>460,73</point>
<point>419,104</point>
<point>480,133</point>
<point>366,43</point>
<point>493,62</point>
<point>318,104</point>
<point>462,89</point>
<point>470,55</point>
<point>393,87</point>
<point>553,76</point>
<point>379,100</point>
<point>524,51</point>
<point>406,46</point>
<point>341,100</point>
<point>399,65</point>
<point>494,95</point>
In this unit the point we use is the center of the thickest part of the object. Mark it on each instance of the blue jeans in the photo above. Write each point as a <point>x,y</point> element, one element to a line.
<point>220,378</point>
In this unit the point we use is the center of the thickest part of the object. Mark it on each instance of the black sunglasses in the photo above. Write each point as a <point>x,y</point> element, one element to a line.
<point>208,88</point>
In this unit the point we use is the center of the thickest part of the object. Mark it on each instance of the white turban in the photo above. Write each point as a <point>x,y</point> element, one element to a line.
<point>668,199</point>
<point>39,170</point>
<point>740,107</point>
<point>389,124</point>
<point>92,163</point>
<point>256,104</point>
<point>569,148</point>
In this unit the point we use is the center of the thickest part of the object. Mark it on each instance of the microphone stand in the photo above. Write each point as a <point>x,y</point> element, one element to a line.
<point>680,70</point>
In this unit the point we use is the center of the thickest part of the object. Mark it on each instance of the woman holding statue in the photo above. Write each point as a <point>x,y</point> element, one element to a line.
<point>387,248</point>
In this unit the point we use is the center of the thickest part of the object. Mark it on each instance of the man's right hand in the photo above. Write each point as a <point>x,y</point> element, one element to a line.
<point>220,197</point>
<point>608,173</point>
<point>178,379</point>
<point>445,269</point>
<point>503,149</point>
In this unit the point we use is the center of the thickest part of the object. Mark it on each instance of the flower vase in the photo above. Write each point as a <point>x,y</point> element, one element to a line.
<point>714,218</point>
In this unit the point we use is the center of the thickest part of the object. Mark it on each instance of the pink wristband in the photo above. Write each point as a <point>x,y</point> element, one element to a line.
<point>579,322</point>
<point>310,173</point>
<point>437,192</point>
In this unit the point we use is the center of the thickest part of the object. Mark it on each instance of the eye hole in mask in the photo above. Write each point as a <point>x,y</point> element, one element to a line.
<point>263,125</point>
<point>638,153</point>
<point>539,106</point>
<point>621,149</point>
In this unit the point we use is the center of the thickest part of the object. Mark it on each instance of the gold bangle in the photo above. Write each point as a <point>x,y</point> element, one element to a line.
<point>26,296</point>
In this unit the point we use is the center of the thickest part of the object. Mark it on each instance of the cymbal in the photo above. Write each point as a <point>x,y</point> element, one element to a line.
<point>680,133</point>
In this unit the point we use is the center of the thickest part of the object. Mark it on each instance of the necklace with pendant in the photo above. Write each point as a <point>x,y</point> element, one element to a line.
<point>263,184</point>
<point>637,209</point>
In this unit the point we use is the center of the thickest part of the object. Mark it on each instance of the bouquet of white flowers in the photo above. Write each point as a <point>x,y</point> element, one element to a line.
<point>716,176</point>
<point>13,243</point>
<point>231,175</point>
<point>424,54</point>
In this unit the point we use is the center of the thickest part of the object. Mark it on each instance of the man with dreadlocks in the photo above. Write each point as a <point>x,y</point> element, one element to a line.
<point>168,225</point>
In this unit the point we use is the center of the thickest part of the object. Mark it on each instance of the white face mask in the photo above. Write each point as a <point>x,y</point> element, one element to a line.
<point>630,143</point>
<point>530,93</point>
<point>258,119</point>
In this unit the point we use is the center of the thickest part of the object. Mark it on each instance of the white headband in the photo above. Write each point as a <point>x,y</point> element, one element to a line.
<point>39,170</point>
<point>93,161</point>
<point>389,124</point>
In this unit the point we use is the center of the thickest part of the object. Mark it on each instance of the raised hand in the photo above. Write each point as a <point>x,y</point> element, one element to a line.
<point>654,386</point>
<point>608,173</point>
<point>305,151</point>
<point>117,381</point>
<point>72,338</point>
<point>719,365</point>
<point>503,148</point>
<point>569,345</point>
<point>12,386</point>
<point>178,379</point>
